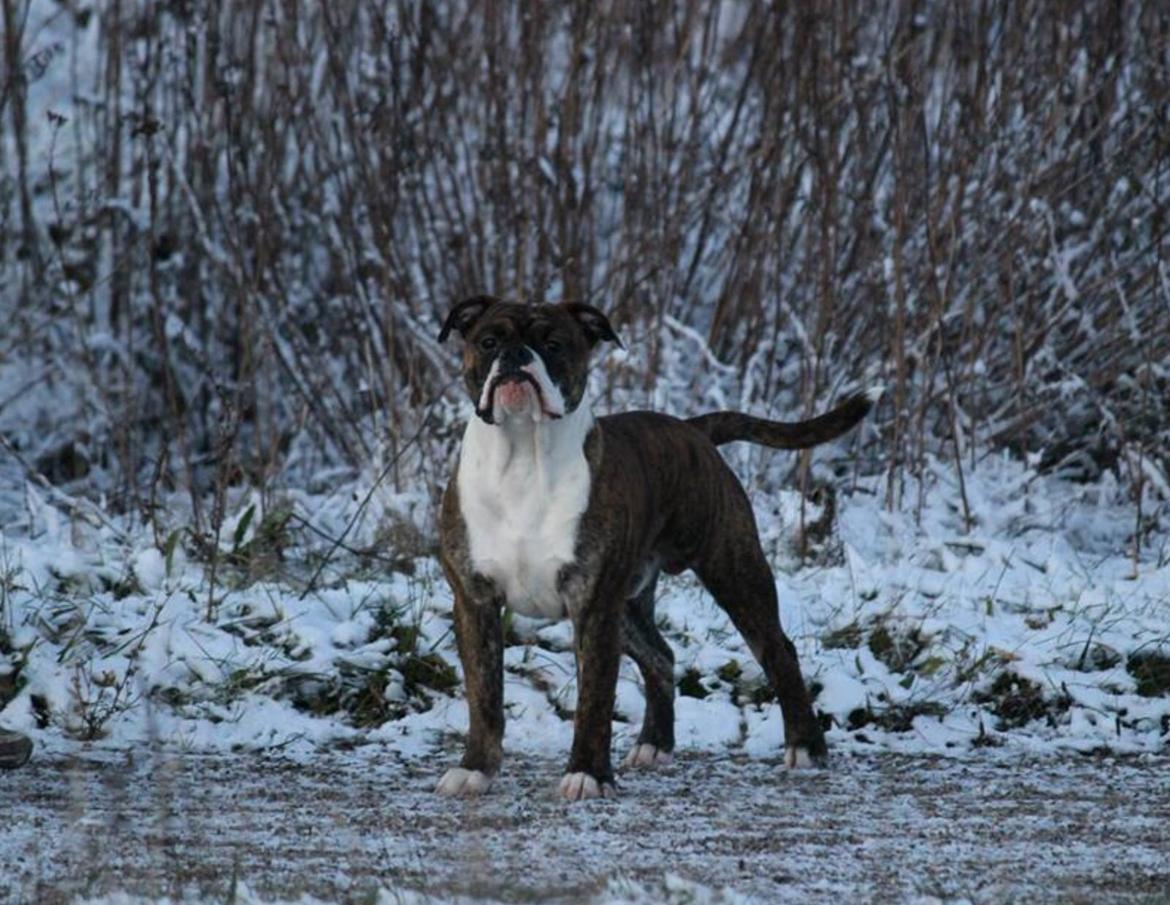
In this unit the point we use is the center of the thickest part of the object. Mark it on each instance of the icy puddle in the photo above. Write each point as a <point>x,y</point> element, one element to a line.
<point>362,827</point>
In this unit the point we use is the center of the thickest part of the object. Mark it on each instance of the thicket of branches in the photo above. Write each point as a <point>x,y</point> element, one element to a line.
<point>229,256</point>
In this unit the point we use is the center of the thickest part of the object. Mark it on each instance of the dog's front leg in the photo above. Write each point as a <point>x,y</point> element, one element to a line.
<point>597,630</point>
<point>480,637</point>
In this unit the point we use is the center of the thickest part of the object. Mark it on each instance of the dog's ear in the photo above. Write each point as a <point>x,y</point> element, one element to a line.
<point>464,315</point>
<point>595,324</point>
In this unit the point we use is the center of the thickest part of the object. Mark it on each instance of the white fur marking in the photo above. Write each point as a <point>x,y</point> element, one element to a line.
<point>874,393</point>
<point>523,486</point>
<point>485,395</point>
<point>550,393</point>
<point>460,783</point>
<point>797,759</point>
<point>648,756</point>
<point>551,403</point>
<point>581,786</point>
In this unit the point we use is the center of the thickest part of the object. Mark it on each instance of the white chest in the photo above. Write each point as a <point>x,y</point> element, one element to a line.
<point>522,492</point>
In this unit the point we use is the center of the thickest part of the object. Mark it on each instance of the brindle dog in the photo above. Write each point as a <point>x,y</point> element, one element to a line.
<point>555,513</point>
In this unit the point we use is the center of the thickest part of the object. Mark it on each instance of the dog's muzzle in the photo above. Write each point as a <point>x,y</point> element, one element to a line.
<point>512,376</point>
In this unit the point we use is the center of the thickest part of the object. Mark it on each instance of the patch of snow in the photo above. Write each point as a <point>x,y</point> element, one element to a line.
<point>904,633</point>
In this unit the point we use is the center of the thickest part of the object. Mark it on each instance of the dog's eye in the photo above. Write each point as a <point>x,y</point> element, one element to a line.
<point>551,345</point>
<point>489,344</point>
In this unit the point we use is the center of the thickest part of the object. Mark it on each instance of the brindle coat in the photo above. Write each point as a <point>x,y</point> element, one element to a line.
<point>661,499</point>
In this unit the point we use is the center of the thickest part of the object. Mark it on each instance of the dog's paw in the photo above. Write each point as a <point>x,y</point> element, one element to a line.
<point>460,783</point>
<point>647,756</point>
<point>798,757</point>
<point>580,786</point>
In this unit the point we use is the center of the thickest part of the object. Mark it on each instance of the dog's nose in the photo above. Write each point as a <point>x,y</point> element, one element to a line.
<point>514,358</point>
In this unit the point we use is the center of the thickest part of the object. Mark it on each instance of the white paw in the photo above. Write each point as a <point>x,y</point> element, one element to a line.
<point>460,783</point>
<point>579,786</point>
<point>798,759</point>
<point>644,755</point>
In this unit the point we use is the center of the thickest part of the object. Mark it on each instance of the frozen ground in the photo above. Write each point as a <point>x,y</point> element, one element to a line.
<point>364,827</point>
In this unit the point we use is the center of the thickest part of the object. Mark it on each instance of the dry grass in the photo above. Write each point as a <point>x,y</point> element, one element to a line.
<point>235,249</point>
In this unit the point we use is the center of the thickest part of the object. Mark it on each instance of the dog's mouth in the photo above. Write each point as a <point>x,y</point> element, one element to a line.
<point>513,385</point>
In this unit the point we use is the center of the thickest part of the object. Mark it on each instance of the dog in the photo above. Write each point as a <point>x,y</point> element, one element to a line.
<point>555,513</point>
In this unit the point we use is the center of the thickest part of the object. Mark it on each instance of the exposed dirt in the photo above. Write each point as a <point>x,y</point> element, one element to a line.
<point>882,828</point>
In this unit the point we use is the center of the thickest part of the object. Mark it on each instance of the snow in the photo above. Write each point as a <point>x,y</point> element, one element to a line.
<point>903,626</point>
<point>619,891</point>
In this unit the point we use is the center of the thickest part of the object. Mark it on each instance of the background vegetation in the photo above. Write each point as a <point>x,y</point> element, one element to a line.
<point>226,246</point>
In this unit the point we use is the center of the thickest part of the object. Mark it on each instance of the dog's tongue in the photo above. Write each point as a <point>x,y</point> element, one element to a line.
<point>514,394</point>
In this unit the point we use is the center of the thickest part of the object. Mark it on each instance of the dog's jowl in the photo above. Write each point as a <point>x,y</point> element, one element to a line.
<point>555,513</point>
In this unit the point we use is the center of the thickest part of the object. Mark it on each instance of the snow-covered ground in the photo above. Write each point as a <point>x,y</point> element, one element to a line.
<point>1025,622</point>
<point>972,658</point>
<point>1033,630</point>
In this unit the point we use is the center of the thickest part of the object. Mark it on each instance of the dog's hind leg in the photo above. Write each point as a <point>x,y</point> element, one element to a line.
<point>644,644</point>
<point>738,577</point>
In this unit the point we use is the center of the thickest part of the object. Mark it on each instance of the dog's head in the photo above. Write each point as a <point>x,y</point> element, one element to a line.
<point>526,360</point>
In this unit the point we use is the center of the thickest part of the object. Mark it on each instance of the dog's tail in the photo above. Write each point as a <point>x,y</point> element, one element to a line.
<point>726,427</point>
